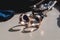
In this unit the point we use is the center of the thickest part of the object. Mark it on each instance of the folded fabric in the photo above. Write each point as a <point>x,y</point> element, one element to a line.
<point>6,14</point>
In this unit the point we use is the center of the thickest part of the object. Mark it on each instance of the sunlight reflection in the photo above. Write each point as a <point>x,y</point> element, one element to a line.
<point>42,32</point>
